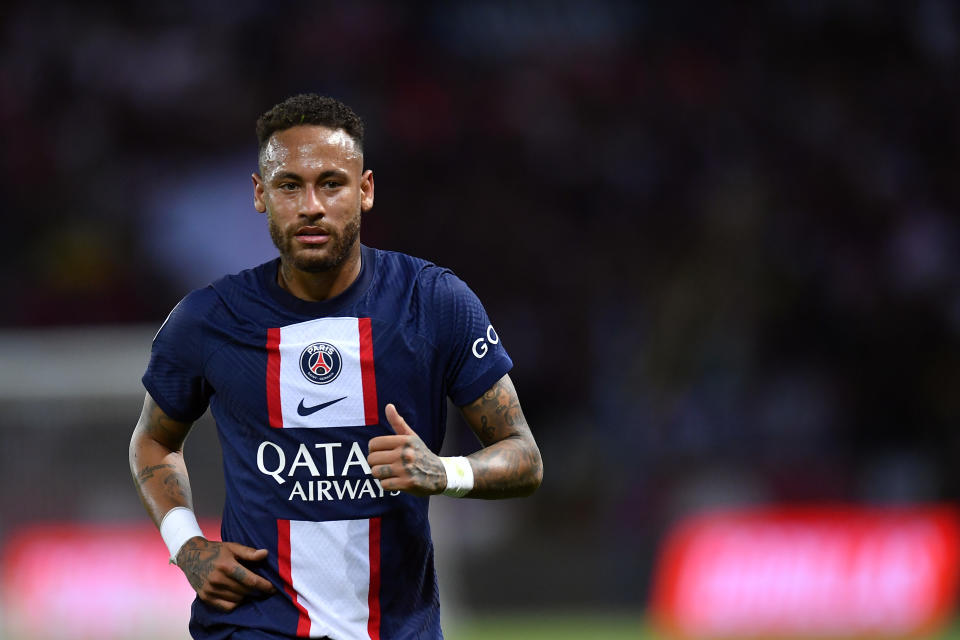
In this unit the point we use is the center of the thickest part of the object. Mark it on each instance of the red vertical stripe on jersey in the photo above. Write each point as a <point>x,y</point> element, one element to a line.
<point>286,574</point>
<point>273,380</point>
<point>373,596</point>
<point>367,374</point>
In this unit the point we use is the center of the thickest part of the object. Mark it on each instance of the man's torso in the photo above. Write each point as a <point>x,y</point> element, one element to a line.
<point>297,390</point>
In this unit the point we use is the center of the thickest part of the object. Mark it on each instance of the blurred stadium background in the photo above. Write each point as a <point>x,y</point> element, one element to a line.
<point>720,241</point>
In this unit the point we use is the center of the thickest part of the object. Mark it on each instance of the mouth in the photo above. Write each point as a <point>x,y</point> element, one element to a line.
<point>312,235</point>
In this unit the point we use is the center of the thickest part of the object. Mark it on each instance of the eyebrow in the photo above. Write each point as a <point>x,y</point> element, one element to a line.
<point>329,173</point>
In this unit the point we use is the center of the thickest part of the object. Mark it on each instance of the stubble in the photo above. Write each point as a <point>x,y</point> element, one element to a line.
<point>339,245</point>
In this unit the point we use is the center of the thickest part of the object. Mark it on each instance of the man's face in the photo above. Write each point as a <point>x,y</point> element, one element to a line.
<point>313,188</point>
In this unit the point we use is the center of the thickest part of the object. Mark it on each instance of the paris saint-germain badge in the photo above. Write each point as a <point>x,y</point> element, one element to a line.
<point>320,363</point>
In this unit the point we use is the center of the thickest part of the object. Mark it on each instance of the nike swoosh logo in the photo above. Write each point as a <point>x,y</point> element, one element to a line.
<point>306,411</point>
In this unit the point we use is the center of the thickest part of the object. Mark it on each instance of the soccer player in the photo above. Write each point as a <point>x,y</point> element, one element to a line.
<point>327,372</point>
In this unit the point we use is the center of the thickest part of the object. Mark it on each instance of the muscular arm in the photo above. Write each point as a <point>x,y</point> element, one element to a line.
<point>508,466</point>
<point>156,461</point>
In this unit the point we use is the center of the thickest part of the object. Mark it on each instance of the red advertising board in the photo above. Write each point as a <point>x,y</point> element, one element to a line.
<point>808,572</point>
<point>69,580</point>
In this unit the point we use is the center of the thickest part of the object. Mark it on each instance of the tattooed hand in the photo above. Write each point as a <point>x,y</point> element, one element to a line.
<point>215,571</point>
<point>403,462</point>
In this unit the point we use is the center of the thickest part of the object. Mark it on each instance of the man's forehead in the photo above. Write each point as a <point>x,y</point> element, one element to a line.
<point>309,145</point>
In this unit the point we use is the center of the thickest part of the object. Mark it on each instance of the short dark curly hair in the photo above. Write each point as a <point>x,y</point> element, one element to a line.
<point>309,109</point>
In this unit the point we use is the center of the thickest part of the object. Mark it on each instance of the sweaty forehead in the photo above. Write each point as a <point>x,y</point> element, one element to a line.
<point>306,148</point>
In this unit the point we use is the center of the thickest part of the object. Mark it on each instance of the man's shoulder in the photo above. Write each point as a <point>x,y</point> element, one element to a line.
<point>398,261</point>
<point>396,264</point>
<point>435,290</point>
<point>195,304</point>
<point>204,302</point>
<point>247,280</point>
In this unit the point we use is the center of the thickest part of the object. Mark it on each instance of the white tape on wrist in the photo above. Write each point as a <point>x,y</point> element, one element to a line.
<point>459,476</point>
<point>178,525</point>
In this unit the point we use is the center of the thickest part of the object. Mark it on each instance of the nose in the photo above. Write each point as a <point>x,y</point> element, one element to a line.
<point>312,203</point>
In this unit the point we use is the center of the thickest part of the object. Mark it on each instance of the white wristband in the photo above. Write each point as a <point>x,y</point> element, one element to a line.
<point>459,476</point>
<point>178,525</point>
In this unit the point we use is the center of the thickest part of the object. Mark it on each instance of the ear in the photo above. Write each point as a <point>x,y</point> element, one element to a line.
<point>258,202</point>
<point>366,191</point>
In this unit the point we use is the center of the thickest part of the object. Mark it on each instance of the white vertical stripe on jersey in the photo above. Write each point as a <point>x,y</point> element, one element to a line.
<point>296,388</point>
<point>330,571</point>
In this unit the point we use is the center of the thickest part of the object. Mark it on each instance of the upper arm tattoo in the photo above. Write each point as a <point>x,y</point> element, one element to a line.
<point>509,464</point>
<point>164,429</point>
<point>496,414</point>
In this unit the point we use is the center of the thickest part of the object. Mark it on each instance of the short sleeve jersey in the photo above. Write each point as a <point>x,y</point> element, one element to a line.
<point>297,390</point>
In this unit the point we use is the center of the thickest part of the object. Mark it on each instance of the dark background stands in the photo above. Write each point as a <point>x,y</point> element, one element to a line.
<point>720,242</point>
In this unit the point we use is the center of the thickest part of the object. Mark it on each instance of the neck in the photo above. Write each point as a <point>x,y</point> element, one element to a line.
<point>317,287</point>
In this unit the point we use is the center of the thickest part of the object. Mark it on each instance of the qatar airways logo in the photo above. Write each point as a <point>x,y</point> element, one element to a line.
<point>329,479</point>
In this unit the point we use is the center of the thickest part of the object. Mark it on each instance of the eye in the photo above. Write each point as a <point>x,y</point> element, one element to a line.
<point>287,186</point>
<point>331,184</point>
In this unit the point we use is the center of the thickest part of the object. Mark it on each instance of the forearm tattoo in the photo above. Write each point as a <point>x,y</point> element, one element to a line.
<point>510,463</point>
<point>148,472</point>
<point>177,486</point>
<point>161,483</point>
<point>196,560</point>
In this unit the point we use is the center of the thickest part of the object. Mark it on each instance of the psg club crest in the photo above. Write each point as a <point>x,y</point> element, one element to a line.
<point>320,363</point>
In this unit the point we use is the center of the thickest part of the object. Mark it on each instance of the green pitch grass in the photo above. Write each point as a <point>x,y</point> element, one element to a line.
<point>533,627</point>
<point>550,627</point>
<point>574,627</point>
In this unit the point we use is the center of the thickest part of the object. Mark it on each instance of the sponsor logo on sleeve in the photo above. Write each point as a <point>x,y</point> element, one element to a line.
<point>480,347</point>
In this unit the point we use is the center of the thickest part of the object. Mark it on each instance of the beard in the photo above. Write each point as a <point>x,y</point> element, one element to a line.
<point>338,247</point>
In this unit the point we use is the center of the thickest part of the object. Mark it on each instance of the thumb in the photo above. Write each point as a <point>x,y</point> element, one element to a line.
<point>248,553</point>
<point>399,425</point>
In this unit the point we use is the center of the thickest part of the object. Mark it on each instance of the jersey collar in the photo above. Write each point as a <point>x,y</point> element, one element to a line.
<point>268,279</point>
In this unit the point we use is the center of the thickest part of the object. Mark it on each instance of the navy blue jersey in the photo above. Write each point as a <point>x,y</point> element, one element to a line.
<point>297,390</point>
